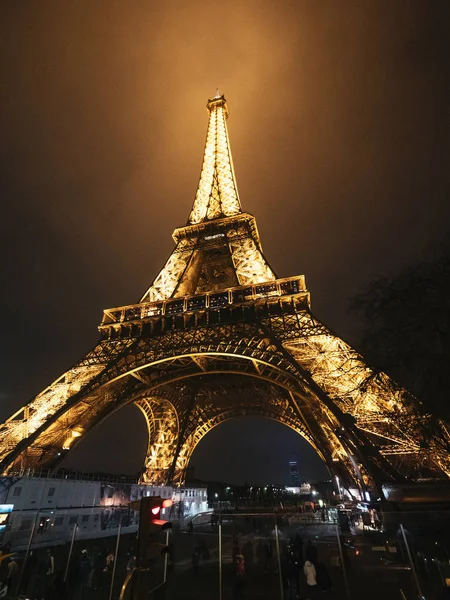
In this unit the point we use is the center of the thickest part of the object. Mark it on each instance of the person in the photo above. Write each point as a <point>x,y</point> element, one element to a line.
<point>323,577</point>
<point>291,570</point>
<point>446,591</point>
<point>44,575</point>
<point>311,553</point>
<point>204,552</point>
<point>248,552</point>
<point>108,568</point>
<point>239,585</point>
<point>268,550</point>
<point>98,564</point>
<point>13,572</point>
<point>109,561</point>
<point>298,545</point>
<point>311,582</point>
<point>5,555</point>
<point>234,547</point>
<point>7,586</point>
<point>83,573</point>
<point>131,564</point>
<point>191,528</point>
<point>58,588</point>
<point>196,558</point>
<point>29,574</point>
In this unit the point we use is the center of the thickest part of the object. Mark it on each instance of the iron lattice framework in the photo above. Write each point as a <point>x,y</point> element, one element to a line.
<point>216,336</point>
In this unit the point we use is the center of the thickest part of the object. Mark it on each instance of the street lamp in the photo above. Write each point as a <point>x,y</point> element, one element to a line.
<point>338,486</point>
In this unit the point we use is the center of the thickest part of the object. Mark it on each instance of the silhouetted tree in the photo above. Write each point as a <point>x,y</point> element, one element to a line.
<point>406,329</point>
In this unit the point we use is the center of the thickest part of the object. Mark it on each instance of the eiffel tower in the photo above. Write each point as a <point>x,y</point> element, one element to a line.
<point>217,335</point>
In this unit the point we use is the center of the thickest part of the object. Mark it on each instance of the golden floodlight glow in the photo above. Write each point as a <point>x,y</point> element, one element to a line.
<point>217,194</point>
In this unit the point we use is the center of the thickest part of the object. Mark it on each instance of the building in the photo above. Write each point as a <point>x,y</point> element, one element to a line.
<point>295,479</point>
<point>302,490</point>
<point>95,504</point>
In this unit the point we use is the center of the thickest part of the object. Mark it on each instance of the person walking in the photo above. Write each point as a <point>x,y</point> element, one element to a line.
<point>108,569</point>
<point>323,577</point>
<point>131,564</point>
<point>446,591</point>
<point>298,546</point>
<point>83,572</point>
<point>309,570</point>
<point>291,574</point>
<point>239,586</point>
<point>234,547</point>
<point>12,576</point>
<point>268,552</point>
<point>98,564</point>
<point>311,554</point>
<point>44,575</point>
<point>58,588</point>
<point>29,574</point>
<point>190,528</point>
<point>196,558</point>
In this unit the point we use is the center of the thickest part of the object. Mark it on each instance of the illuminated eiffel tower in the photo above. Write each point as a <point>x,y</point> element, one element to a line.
<point>217,336</point>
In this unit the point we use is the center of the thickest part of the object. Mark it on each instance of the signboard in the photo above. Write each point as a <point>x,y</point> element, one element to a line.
<point>5,511</point>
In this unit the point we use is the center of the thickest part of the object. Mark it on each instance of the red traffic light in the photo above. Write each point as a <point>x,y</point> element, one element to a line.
<point>155,510</point>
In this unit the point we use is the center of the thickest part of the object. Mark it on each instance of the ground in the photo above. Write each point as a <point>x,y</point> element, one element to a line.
<point>372,574</point>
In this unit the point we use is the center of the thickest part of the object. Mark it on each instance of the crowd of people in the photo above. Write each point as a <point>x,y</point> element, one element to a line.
<point>44,579</point>
<point>303,574</point>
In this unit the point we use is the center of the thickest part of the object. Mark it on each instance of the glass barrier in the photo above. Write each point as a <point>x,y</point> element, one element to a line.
<point>193,559</point>
<point>249,553</point>
<point>81,552</point>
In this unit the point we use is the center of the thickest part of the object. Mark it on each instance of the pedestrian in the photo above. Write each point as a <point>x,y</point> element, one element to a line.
<point>108,568</point>
<point>311,553</point>
<point>268,552</point>
<point>131,564</point>
<point>248,552</point>
<point>323,577</point>
<point>298,545</point>
<point>109,561</point>
<point>292,573</point>
<point>29,574</point>
<point>190,528</point>
<point>446,591</point>
<point>83,572</point>
<point>98,564</point>
<point>234,547</point>
<point>204,552</point>
<point>44,575</point>
<point>58,588</point>
<point>196,558</point>
<point>239,585</point>
<point>11,576</point>
<point>311,579</point>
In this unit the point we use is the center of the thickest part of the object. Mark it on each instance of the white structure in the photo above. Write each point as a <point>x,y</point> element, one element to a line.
<point>55,505</point>
<point>302,490</point>
<point>193,500</point>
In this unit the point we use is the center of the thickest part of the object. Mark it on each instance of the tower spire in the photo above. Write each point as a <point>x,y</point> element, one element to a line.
<point>217,194</point>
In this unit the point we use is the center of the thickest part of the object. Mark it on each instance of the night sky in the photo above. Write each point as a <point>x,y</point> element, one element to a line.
<point>340,132</point>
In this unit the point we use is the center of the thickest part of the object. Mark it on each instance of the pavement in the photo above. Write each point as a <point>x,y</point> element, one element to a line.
<point>373,572</point>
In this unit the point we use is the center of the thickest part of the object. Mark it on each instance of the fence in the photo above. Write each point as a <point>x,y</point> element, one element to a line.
<point>403,556</point>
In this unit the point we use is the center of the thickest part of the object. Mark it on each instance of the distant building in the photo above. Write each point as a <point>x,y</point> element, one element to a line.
<point>96,504</point>
<point>301,490</point>
<point>293,468</point>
